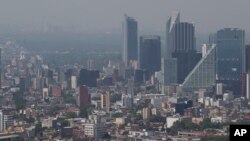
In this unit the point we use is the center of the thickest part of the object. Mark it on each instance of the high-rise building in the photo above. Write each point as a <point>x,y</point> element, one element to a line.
<point>247,58</point>
<point>174,19</point>
<point>88,77</point>
<point>73,82</point>
<point>230,57</point>
<point>186,61</point>
<point>203,75</point>
<point>150,53</point>
<point>84,96</point>
<point>94,128</point>
<point>127,101</point>
<point>130,39</point>
<point>7,121</point>
<point>180,36</point>
<point>169,71</point>
<point>105,101</point>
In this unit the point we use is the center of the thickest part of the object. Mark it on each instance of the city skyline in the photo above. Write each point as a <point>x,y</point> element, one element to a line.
<point>107,16</point>
<point>80,70</point>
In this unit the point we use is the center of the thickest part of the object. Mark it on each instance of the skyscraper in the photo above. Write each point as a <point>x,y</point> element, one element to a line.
<point>230,57</point>
<point>88,77</point>
<point>181,44</point>
<point>130,41</point>
<point>105,101</point>
<point>180,36</point>
<point>247,58</point>
<point>203,74</point>
<point>150,53</point>
<point>169,71</point>
<point>84,96</point>
<point>186,61</point>
<point>174,19</point>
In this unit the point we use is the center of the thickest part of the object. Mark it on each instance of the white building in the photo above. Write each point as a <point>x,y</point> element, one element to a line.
<point>228,96</point>
<point>73,82</point>
<point>94,128</point>
<point>45,93</point>
<point>219,89</point>
<point>7,121</point>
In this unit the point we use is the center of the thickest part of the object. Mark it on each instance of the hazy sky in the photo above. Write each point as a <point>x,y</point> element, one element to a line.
<point>208,15</point>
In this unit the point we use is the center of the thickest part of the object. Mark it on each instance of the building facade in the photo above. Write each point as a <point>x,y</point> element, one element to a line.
<point>130,39</point>
<point>247,58</point>
<point>203,75</point>
<point>150,53</point>
<point>84,96</point>
<point>230,57</point>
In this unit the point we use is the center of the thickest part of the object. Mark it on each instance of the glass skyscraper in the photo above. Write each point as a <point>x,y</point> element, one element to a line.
<point>247,58</point>
<point>203,75</point>
<point>230,57</point>
<point>180,36</point>
<point>169,71</point>
<point>150,53</point>
<point>130,41</point>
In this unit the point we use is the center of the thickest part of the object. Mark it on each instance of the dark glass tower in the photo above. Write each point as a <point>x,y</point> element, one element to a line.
<point>247,58</point>
<point>230,57</point>
<point>150,53</point>
<point>130,41</point>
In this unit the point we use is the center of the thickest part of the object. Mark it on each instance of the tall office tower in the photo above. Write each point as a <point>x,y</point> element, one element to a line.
<point>169,71</point>
<point>84,96</point>
<point>130,41</point>
<point>247,58</point>
<point>203,75</point>
<point>230,54</point>
<point>180,36</point>
<point>150,53</point>
<point>248,86</point>
<point>105,101</point>
<point>174,19</point>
